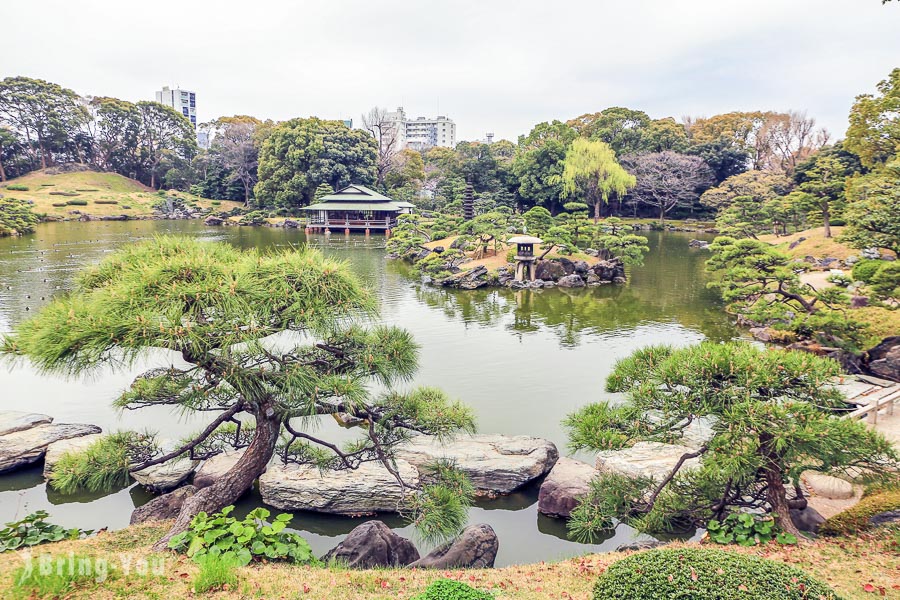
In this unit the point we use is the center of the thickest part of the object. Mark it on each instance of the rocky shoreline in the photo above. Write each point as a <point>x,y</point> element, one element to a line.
<point>496,464</point>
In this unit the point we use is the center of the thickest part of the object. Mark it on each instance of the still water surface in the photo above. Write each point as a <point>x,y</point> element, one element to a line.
<point>521,359</point>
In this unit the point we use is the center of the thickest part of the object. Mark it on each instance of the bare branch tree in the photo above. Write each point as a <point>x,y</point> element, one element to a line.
<point>667,179</point>
<point>386,132</point>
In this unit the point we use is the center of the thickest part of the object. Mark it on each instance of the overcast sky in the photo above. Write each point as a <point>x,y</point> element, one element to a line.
<point>491,65</point>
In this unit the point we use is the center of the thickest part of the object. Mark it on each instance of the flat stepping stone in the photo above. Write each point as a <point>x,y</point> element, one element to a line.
<point>366,490</point>
<point>56,450</point>
<point>22,448</point>
<point>645,459</point>
<point>167,476</point>
<point>215,467</point>
<point>12,421</point>
<point>496,464</point>
<point>827,486</point>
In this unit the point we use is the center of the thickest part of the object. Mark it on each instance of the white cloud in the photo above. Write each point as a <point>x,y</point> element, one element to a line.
<point>492,65</point>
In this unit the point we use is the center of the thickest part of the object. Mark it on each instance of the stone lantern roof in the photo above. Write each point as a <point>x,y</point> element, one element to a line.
<point>524,239</point>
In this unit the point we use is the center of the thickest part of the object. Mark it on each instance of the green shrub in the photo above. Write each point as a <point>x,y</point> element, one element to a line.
<point>705,574</point>
<point>865,270</point>
<point>839,279</point>
<point>216,571</point>
<point>59,204</point>
<point>106,201</point>
<point>216,202</point>
<point>747,530</point>
<point>86,190</point>
<point>68,574</point>
<point>103,465</point>
<point>242,541</point>
<point>448,589</point>
<point>886,281</point>
<point>17,187</point>
<point>34,530</point>
<point>64,194</point>
<point>126,207</point>
<point>16,217</point>
<point>77,202</point>
<point>856,518</point>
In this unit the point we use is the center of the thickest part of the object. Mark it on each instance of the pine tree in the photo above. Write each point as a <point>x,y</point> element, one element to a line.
<point>217,307</point>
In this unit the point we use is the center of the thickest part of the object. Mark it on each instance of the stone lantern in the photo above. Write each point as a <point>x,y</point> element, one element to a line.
<point>524,256</point>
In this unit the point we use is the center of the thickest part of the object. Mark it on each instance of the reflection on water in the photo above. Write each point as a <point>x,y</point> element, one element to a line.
<point>522,359</point>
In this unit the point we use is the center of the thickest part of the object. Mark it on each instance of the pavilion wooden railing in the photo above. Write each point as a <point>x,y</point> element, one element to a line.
<point>870,410</point>
<point>386,223</point>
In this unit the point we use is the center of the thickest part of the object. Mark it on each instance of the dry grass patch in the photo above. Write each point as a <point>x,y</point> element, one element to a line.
<point>815,244</point>
<point>847,564</point>
<point>104,194</point>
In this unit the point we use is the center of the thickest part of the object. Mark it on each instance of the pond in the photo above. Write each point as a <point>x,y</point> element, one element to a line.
<point>522,359</point>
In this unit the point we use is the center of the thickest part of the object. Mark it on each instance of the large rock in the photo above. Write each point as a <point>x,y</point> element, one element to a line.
<point>609,270</point>
<point>24,447</point>
<point>167,476</point>
<point>567,482</point>
<point>215,467</point>
<point>570,281</point>
<point>475,548</point>
<point>645,459</point>
<point>549,270</point>
<point>827,486</point>
<point>495,463</point>
<point>163,507</point>
<point>213,221</point>
<point>363,491</point>
<point>807,519</point>
<point>56,450</point>
<point>373,544</point>
<point>884,359</point>
<point>12,421</point>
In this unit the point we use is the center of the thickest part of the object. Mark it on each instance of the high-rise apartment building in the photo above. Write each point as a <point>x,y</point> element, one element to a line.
<point>422,133</point>
<point>183,101</point>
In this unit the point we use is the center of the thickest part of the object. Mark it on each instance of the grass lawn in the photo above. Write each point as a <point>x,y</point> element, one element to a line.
<point>847,564</point>
<point>815,244</point>
<point>99,190</point>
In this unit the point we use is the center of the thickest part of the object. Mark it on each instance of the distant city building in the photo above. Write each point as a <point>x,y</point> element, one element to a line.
<point>183,101</point>
<point>489,137</point>
<point>348,123</point>
<point>203,139</point>
<point>422,133</point>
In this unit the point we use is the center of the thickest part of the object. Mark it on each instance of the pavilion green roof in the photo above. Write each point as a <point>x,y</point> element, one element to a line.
<point>386,206</point>
<point>355,193</point>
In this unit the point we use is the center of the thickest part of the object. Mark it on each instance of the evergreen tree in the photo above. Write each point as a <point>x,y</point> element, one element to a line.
<point>217,308</point>
<point>772,414</point>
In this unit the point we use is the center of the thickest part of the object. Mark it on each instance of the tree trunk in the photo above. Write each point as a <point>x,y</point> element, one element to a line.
<point>662,213</point>
<point>827,219</point>
<point>596,212</point>
<point>153,178</point>
<point>246,193</point>
<point>2,172</point>
<point>232,485</point>
<point>776,495</point>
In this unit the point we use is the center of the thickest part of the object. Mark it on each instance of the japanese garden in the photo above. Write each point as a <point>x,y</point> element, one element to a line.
<point>625,355</point>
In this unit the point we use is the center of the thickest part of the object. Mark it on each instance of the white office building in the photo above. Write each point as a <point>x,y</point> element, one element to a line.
<point>422,133</point>
<point>183,101</point>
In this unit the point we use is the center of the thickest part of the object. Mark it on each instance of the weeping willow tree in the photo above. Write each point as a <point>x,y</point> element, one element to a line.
<point>773,415</point>
<point>218,309</point>
<point>590,170</point>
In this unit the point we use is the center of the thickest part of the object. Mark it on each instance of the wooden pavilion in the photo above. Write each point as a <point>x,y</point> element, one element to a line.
<point>355,208</point>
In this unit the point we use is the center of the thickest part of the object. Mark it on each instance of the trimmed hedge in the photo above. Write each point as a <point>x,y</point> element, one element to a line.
<point>706,574</point>
<point>17,187</point>
<point>865,270</point>
<point>77,202</point>
<point>856,518</point>
<point>448,589</point>
<point>106,201</point>
<point>886,281</point>
<point>64,194</point>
